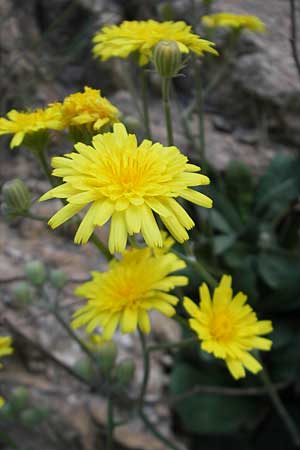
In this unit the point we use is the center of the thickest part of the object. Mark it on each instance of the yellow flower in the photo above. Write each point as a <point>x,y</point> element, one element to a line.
<point>5,349</point>
<point>126,182</point>
<point>21,123</point>
<point>124,295</point>
<point>5,346</point>
<point>251,23</point>
<point>228,328</point>
<point>142,36</point>
<point>88,108</point>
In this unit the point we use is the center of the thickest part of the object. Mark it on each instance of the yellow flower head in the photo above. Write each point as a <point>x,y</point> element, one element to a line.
<point>251,23</point>
<point>228,328</point>
<point>142,36</point>
<point>21,123</point>
<point>88,108</point>
<point>124,295</point>
<point>126,182</point>
<point>5,349</point>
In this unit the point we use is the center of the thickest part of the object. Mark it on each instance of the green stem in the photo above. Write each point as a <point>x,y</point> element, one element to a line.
<point>54,311</point>
<point>152,428</point>
<point>166,84</point>
<point>110,423</point>
<point>191,259</point>
<point>144,88</point>
<point>100,246</point>
<point>41,156</point>
<point>281,409</point>
<point>200,109</point>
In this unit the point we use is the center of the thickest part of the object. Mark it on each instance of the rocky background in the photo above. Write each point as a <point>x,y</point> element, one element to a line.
<point>45,54</point>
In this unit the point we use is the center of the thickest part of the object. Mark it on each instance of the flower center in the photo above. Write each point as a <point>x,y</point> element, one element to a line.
<point>222,327</point>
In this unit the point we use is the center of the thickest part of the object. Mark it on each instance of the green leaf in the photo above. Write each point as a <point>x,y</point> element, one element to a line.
<point>209,413</point>
<point>219,222</point>
<point>278,270</point>
<point>224,206</point>
<point>223,242</point>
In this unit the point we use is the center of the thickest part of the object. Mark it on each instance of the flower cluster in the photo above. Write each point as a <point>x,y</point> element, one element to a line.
<point>5,350</point>
<point>82,108</point>
<point>124,295</point>
<point>236,21</point>
<point>142,36</point>
<point>126,182</point>
<point>228,328</point>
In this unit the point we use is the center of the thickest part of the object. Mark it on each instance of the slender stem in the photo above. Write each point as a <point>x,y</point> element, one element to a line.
<point>103,249</point>
<point>54,311</point>
<point>191,259</point>
<point>152,428</point>
<point>281,409</point>
<point>41,156</point>
<point>110,423</point>
<point>200,109</point>
<point>16,331</point>
<point>144,88</point>
<point>166,83</point>
<point>293,36</point>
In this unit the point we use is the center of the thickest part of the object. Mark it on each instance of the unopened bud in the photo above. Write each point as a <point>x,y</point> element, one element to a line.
<point>167,59</point>
<point>125,372</point>
<point>16,198</point>
<point>107,356</point>
<point>22,292</point>
<point>36,272</point>
<point>84,368</point>
<point>57,278</point>
<point>19,398</point>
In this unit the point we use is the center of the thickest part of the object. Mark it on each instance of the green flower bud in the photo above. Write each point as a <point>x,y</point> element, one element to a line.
<point>36,272</point>
<point>125,372</point>
<point>22,292</point>
<point>19,398</point>
<point>107,356</point>
<point>167,59</point>
<point>84,368</point>
<point>33,416</point>
<point>57,278</point>
<point>16,198</point>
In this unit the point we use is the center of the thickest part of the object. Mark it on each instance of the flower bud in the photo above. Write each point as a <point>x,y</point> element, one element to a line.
<point>57,278</point>
<point>22,293</point>
<point>85,368</point>
<point>36,272</point>
<point>19,398</point>
<point>107,356</point>
<point>16,198</point>
<point>167,59</point>
<point>125,372</point>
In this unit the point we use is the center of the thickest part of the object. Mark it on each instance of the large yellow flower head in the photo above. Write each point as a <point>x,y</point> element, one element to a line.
<point>228,328</point>
<point>142,36</point>
<point>5,349</point>
<point>238,21</point>
<point>88,108</point>
<point>22,123</point>
<point>126,182</point>
<point>125,294</point>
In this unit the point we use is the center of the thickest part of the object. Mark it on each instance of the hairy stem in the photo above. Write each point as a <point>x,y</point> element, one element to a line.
<point>281,409</point>
<point>110,423</point>
<point>200,109</point>
<point>151,427</point>
<point>166,84</point>
<point>293,35</point>
<point>144,88</point>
